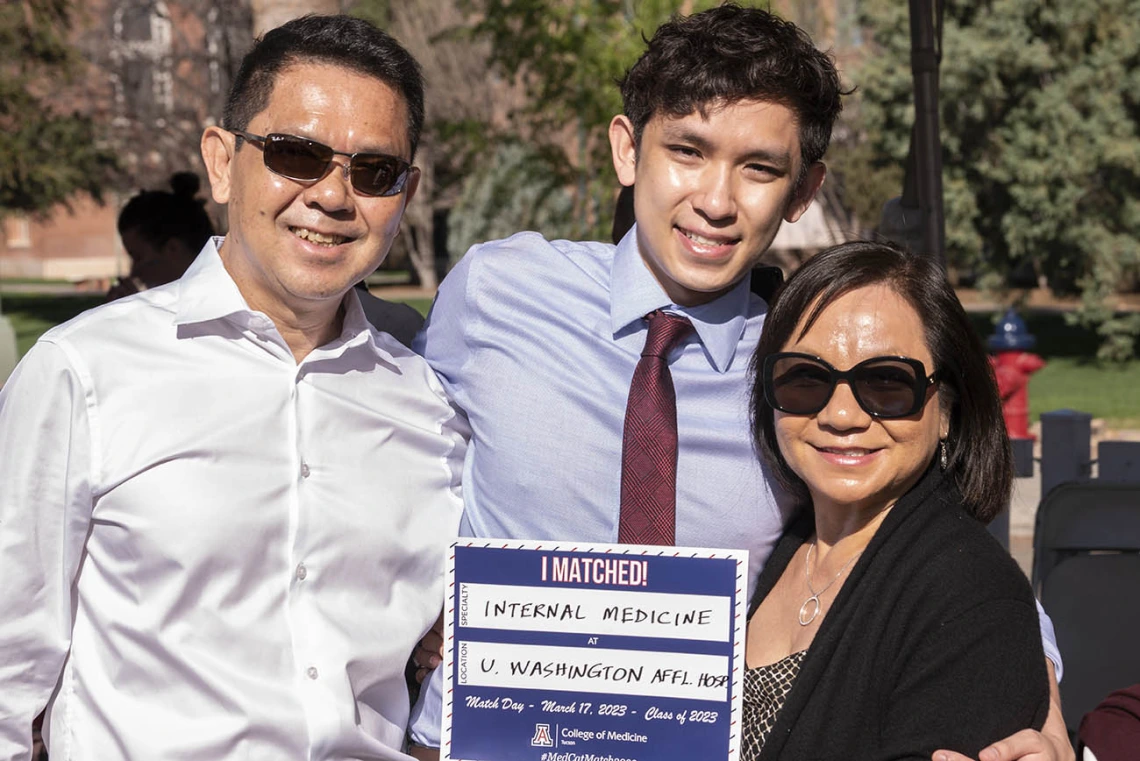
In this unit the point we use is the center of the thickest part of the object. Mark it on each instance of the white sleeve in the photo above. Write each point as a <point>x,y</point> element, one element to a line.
<point>45,512</point>
<point>426,725</point>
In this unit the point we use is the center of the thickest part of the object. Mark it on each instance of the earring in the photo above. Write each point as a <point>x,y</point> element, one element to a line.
<point>942,458</point>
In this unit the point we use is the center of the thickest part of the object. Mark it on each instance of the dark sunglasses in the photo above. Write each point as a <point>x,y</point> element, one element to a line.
<point>885,387</point>
<point>304,160</point>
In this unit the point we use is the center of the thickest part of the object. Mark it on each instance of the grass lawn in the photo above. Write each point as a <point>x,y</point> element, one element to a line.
<point>1112,393</point>
<point>31,315</point>
<point>1072,378</point>
<point>420,305</point>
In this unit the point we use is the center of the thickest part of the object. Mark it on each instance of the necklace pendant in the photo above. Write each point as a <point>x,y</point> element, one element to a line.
<point>806,619</point>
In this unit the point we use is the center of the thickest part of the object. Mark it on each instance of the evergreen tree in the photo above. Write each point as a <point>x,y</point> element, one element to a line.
<point>1041,151</point>
<point>568,55</point>
<point>46,153</point>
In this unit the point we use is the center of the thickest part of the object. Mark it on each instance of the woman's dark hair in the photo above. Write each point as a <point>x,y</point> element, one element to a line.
<point>729,54</point>
<point>980,460</point>
<point>160,216</point>
<point>351,43</point>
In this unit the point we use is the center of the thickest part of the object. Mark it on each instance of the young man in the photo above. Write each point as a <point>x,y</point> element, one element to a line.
<point>727,117</point>
<point>225,502</point>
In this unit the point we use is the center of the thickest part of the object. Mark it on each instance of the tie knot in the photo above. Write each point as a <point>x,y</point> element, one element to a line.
<point>665,332</point>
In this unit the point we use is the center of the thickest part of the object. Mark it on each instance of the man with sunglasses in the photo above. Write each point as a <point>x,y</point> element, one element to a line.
<point>560,352</point>
<point>225,502</point>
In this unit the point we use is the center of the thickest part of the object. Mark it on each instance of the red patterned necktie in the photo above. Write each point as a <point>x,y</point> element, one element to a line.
<point>649,442</point>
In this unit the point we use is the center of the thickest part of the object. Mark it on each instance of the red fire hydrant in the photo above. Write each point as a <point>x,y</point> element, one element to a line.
<point>1013,364</point>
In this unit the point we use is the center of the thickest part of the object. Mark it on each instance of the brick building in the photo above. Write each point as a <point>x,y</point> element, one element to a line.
<point>157,73</point>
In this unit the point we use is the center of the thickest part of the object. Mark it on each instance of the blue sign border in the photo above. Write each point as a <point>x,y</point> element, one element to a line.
<point>515,724</point>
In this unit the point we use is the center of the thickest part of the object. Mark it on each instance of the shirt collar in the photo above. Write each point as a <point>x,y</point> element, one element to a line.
<point>355,331</point>
<point>635,292</point>
<point>207,292</point>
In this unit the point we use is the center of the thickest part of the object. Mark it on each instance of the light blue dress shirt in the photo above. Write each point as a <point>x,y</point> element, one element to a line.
<point>537,342</point>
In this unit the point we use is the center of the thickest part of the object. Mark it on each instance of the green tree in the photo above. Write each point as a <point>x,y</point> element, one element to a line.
<point>1041,151</point>
<point>567,56</point>
<point>519,96</point>
<point>46,153</point>
<point>512,192</point>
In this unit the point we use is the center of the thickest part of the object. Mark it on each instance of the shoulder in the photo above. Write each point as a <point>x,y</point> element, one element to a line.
<point>519,275</point>
<point>399,320</point>
<point>79,352</point>
<point>945,593</point>
<point>119,322</point>
<point>527,254</point>
<point>954,563</point>
<point>414,370</point>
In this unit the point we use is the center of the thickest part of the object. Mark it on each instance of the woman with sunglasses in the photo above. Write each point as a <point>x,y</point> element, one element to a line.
<point>887,622</point>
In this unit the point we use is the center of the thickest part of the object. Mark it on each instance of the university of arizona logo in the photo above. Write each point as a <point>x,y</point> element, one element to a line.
<point>542,737</point>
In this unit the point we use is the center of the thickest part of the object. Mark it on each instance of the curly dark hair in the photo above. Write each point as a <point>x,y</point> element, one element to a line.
<point>729,54</point>
<point>345,41</point>
<point>979,457</point>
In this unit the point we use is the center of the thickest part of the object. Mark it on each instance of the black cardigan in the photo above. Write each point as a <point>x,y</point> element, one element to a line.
<point>932,642</point>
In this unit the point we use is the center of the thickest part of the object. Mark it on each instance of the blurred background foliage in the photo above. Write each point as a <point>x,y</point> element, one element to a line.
<point>1040,107</point>
<point>47,152</point>
<point>520,96</point>
<point>1040,101</point>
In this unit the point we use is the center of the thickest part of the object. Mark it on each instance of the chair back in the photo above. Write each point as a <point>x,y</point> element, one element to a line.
<point>1084,517</point>
<point>1094,601</point>
<point>1086,572</point>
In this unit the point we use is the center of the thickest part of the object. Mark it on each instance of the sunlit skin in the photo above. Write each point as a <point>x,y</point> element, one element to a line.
<point>298,282</point>
<point>856,466</point>
<point>712,191</point>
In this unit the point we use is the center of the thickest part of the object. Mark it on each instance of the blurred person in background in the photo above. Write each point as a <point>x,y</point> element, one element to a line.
<point>162,232</point>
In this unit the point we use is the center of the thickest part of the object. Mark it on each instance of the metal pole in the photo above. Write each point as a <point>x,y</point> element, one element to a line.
<point>926,140</point>
<point>1065,448</point>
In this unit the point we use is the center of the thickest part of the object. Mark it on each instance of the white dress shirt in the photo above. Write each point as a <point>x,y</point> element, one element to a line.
<point>208,551</point>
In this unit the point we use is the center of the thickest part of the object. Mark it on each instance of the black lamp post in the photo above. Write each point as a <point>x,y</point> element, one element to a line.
<point>916,219</point>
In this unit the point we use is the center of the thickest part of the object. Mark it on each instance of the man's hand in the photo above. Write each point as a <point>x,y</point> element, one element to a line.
<point>1050,744</point>
<point>429,652</point>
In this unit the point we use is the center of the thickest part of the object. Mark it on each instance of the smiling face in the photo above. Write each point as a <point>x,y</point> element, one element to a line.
<point>297,247</point>
<point>711,192</point>
<point>847,458</point>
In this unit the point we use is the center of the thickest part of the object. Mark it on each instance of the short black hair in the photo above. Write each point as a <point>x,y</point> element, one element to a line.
<point>159,216</point>
<point>345,41</point>
<point>728,54</point>
<point>980,460</point>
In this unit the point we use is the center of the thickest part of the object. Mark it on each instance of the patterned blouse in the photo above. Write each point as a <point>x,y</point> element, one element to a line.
<point>765,689</point>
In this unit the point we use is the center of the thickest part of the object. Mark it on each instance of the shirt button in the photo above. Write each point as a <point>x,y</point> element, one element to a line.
<point>312,672</point>
<point>302,572</point>
<point>305,470</point>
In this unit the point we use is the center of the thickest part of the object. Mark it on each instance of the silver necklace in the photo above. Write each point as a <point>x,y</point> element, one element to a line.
<point>817,606</point>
